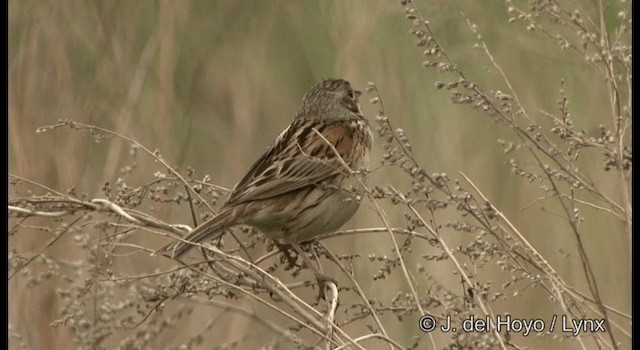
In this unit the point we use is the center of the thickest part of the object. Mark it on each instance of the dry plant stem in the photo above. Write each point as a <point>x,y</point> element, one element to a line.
<point>587,266</point>
<point>600,341</point>
<point>248,313</point>
<point>550,35</point>
<point>383,217</point>
<point>346,233</point>
<point>29,212</point>
<point>602,44</point>
<point>356,285</point>
<point>396,249</point>
<point>285,298</point>
<point>616,114</point>
<point>566,308</point>
<point>148,275</point>
<point>105,205</point>
<point>526,137</point>
<point>371,336</point>
<point>574,174</point>
<point>133,95</point>
<point>486,309</point>
<point>331,314</point>
<point>408,153</point>
<point>356,231</point>
<point>191,208</point>
<point>311,315</point>
<point>37,184</point>
<point>577,294</point>
<point>319,275</point>
<point>519,131</point>
<point>558,286</point>
<point>49,244</point>
<point>570,172</point>
<point>614,99</point>
<point>97,205</point>
<point>546,268</point>
<point>154,155</point>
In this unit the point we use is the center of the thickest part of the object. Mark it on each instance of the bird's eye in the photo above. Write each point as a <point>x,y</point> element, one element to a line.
<point>352,94</point>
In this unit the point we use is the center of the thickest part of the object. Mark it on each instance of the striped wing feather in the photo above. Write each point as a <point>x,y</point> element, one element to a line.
<point>299,157</point>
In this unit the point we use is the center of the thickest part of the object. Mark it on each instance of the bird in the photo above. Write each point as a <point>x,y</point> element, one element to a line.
<point>308,182</point>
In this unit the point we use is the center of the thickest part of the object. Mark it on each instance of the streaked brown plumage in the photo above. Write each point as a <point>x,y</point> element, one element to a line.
<point>299,188</point>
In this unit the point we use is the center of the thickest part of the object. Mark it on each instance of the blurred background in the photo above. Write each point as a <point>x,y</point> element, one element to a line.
<point>210,84</point>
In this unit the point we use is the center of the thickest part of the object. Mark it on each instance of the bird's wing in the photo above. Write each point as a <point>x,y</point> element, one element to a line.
<point>299,157</point>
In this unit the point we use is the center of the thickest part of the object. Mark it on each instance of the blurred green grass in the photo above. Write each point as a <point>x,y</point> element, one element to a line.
<point>211,83</point>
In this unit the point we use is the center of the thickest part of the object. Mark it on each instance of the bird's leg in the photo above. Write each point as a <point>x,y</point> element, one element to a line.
<point>321,278</point>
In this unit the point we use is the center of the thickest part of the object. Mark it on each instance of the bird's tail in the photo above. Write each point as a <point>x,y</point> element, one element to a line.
<point>210,229</point>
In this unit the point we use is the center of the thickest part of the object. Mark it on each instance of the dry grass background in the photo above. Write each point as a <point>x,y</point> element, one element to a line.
<point>209,84</point>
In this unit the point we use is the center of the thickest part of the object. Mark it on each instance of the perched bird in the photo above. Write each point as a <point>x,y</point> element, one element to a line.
<point>308,182</point>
